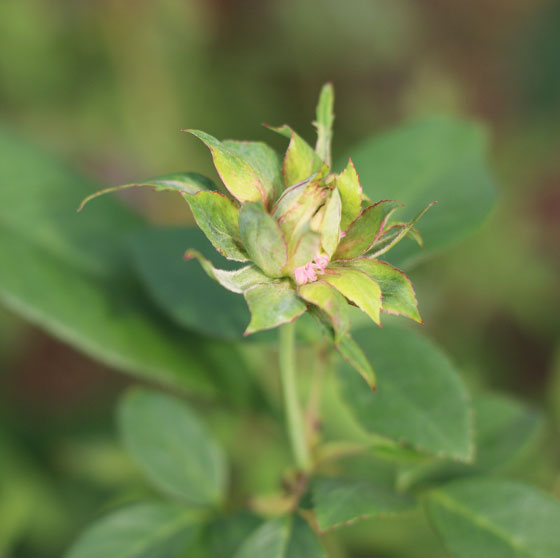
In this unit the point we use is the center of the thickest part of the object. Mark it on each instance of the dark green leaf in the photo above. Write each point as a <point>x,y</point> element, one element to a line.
<point>172,447</point>
<point>68,273</point>
<point>183,182</point>
<point>272,305</point>
<point>149,530</point>
<point>441,158</point>
<point>263,239</point>
<point>495,517</point>
<point>421,400</point>
<point>286,537</point>
<point>218,216</point>
<point>342,500</point>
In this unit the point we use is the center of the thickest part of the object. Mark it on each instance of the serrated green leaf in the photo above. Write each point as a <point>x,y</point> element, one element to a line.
<point>263,239</point>
<point>398,296</point>
<point>237,174</point>
<point>237,280</point>
<point>439,158</point>
<point>421,401</point>
<point>495,517</point>
<point>272,305</point>
<point>264,160</point>
<point>386,242</point>
<point>357,287</point>
<point>101,310</point>
<point>300,161</point>
<point>331,302</point>
<point>147,530</point>
<point>286,537</point>
<point>172,447</point>
<point>350,189</point>
<point>324,123</point>
<point>365,230</point>
<point>218,217</point>
<point>342,500</point>
<point>182,182</point>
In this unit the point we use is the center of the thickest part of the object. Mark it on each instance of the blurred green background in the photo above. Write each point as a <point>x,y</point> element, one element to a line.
<point>107,85</point>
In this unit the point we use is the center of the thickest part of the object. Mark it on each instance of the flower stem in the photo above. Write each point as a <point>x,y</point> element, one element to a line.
<point>294,416</point>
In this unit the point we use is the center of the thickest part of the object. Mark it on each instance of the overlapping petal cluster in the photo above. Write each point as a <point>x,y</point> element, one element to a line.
<point>310,237</point>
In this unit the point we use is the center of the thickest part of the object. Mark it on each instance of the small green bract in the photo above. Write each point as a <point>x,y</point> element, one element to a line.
<point>310,238</point>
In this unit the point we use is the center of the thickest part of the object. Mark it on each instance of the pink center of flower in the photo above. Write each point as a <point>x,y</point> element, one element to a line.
<point>308,273</point>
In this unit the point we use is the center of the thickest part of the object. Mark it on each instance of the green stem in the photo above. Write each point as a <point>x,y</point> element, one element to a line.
<point>294,416</point>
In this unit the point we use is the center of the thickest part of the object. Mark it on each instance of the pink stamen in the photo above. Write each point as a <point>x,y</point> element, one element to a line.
<point>342,234</point>
<point>308,273</point>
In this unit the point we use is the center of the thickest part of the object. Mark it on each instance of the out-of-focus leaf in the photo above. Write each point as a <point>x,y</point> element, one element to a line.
<point>440,158</point>
<point>148,530</point>
<point>273,304</point>
<point>286,537</point>
<point>331,302</point>
<point>228,533</point>
<point>397,294</point>
<point>505,430</point>
<point>495,517</point>
<point>341,500</point>
<point>300,161</point>
<point>357,287</point>
<point>420,402</point>
<point>263,238</point>
<point>324,122</point>
<point>355,357</point>
<point>363,232</point>
<point>68,272</point>
<point>348,185</point>
<point>218,216</point>
<point>172,447</point>
<point>237,174</point>
<point>183,182</point>
<point>264,160</point>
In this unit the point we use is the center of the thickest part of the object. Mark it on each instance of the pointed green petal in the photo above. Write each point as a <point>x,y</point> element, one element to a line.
<point>331,302</point>
<point>305,250</point>
<point>324,123</point>
<point>273,304</point>
<point>348,184</point>
<point>300,161</point>
<point>397,293</point>
<point>386,242</point>
<point>184,182</point>
<point>238,176</point>
<point>364,231</point>
<point>236,281</point>
<point>357,287</point>
<point>217,217</point>
<point>264,160</point>
<point>263,238</point>
<point>330,226</point>
<point>354,356</point>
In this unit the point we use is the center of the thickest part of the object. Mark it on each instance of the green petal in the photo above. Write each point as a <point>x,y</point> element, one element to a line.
<point>331,302</point>
<point>237,174</point>
<point>307,247</point>
<point>183,182</point>
<point>386,242</point>
<point>398,296</point>
<point>263,238</point>
<point>324,123</point>
<point>365,230</point>
<point>273,304</point>
<point>236,281</point>
<point>217,217</point>
<point>350,190</point>
<point>330,226</point>
<point>300,161</point>
<point>357,287</point>
<point>264,160</point>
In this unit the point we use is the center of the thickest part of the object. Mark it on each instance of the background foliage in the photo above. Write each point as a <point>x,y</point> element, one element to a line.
<point>107,87</point>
